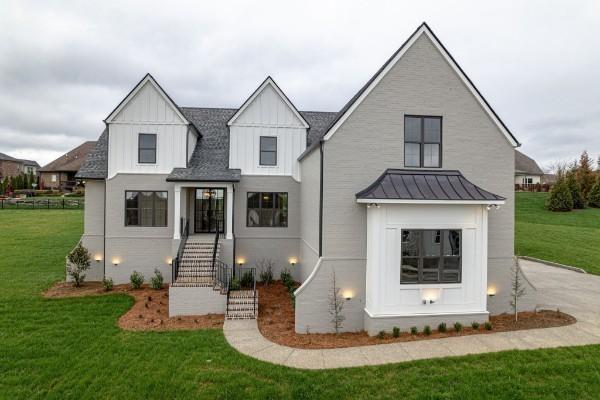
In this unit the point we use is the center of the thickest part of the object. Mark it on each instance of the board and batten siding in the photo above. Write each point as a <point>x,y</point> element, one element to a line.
<point>267,115</point>
<point>148,112</point>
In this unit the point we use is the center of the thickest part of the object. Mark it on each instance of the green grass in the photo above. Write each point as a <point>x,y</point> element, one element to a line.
<point>571,238</point>
<point>72,348</point>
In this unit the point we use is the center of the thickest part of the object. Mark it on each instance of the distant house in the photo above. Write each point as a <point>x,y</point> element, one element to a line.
<point>10,166</point>
<point>60,173</point>
<point>527,172</point>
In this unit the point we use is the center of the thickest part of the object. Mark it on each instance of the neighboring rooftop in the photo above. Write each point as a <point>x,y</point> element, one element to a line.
<point>440,185</point>
<point>525,165</point>
<point>71,161</point>
<point>6,157</point>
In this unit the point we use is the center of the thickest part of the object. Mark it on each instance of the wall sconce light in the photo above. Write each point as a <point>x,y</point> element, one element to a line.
<point>491,292</point>
<point>293,261</point>
<point>169,261</point>
<point>241,261</point>
<point>348,295</point>
<point>98,258</point>
<point>430,295</point>
<point>430,301</point>
<point>116,261</point>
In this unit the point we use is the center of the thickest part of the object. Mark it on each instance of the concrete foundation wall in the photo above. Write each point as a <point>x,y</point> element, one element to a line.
<point>375,325</point>
<point>196,301</point>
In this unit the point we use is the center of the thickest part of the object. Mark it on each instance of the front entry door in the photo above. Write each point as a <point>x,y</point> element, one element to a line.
<point>210,210</point>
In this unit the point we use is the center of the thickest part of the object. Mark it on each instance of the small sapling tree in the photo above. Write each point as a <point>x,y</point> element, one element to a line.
<point>79,262</point>
<point>336,305</point>
<point>517,287</point>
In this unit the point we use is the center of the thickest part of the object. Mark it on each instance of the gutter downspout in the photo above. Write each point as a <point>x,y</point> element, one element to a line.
<point>321,202</point>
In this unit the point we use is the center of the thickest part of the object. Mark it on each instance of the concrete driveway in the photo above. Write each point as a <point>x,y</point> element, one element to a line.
<point>572,292</point>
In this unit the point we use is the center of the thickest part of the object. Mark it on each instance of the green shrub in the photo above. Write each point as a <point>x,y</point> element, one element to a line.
<point>427,330</point>
<point>247,280</point>
<point>560,198</point>
<point>396,332</point>
<point>488,326</point>
<point>234,284</point>
<point>413,330</point>
<point>594,195</point>
<point>286,277</point>
<point>136,280</point>
<point>458,326</point>
<point>381,335</point>
<point>442,327</point>
<point>475,325</point>
<point>79,262</point>
<point>265,267</point>
<point>107,283</point>
<point>156,282</point>
<point>575,189</point>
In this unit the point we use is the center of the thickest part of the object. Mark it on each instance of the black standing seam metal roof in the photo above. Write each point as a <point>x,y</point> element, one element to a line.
<point>409,184</point>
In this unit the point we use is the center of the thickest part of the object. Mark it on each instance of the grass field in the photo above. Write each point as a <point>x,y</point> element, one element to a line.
<point>72,348</point>
<point>571,238</point>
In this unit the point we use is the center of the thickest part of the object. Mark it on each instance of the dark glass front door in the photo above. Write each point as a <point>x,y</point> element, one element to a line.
<point>210,210</point>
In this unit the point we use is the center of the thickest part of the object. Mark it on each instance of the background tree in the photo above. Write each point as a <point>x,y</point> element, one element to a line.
<point>517,289</point>
<point>336,305</point>
<point>594,194</point>
<point>585,174</point>
<point>575,190</point>
<point>560,198</point>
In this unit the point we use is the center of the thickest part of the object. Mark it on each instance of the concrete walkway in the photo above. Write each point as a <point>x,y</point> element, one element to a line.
<point>572,292</point>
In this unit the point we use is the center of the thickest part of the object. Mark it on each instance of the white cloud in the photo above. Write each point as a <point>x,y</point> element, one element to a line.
<point>64,66</point>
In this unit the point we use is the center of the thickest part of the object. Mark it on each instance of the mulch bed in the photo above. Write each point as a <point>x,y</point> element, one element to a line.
<point>276,323</point>
<point>150,311</point>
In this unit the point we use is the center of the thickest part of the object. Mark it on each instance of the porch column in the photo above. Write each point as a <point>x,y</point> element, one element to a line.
<point>229,212</point>
<point>177,213</point>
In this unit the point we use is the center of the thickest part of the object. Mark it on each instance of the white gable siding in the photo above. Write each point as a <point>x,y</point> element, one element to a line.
<point>147,112</point>
<point>148,105</point>
<point>267,115</point>
<point>191,145</point>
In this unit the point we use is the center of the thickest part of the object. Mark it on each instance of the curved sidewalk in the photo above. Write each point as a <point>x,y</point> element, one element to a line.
<point>574,293</point>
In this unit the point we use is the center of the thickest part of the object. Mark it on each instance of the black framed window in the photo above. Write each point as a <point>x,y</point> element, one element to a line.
<point>147,148</point>
<point>268,150</point>
<point>146,208</point>
<point>431,256</point>
<point>422,141</point>
<point>267,209</point>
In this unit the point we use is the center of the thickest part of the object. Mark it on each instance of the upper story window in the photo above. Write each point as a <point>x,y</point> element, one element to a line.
<point>266,209</point>
<point>268,150</point>
<point>431,256</point>
<point>146,208</point>
<point>147,148</point>
<point>422,141</point>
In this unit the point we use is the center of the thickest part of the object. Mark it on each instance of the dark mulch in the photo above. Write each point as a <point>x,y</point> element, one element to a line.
<point>276,323</point>
<point>150,311</point>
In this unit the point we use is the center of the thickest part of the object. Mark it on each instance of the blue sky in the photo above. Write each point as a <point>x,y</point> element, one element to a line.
<point>65,65</point>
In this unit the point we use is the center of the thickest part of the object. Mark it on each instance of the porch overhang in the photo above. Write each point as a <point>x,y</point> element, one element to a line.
<point>408,186</point>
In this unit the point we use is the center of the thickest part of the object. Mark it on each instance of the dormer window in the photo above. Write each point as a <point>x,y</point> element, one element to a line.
<point>422,141</point>
<point>268,150</point>
<point>147,148</point>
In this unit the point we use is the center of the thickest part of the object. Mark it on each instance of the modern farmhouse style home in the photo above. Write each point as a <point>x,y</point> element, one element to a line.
<point>406,194</point>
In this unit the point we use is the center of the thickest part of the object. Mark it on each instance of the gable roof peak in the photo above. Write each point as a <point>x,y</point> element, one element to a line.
<point>269,81</point>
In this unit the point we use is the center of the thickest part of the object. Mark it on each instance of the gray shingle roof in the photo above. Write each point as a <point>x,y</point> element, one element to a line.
<point>6,157</point>
<point>210,159</point>
<point>405,184</point>
<point>95,165</point>
<point>526,165</point>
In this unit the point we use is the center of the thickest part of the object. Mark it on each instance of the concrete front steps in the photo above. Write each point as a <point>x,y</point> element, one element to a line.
<point>195,293</point>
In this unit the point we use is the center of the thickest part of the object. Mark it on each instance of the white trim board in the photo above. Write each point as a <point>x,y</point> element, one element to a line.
<point>136,89</point>
<point>268,82</point>
<point>457,202</point>
<point>423,30</point>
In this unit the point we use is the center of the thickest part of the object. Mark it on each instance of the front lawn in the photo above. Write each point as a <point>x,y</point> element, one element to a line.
<point>73,348</point>
<point>571,238</point>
